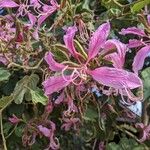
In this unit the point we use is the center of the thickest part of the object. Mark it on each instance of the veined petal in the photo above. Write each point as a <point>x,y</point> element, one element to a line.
<point>133,30</point>
<point>98,39</point>
<point>140,57</point>
<point>55,84</point>
<point>8,4</point>
<point>115,44</point>
<point>53,65</point>
<point>117,58</point>
<point>135,43</point>
<point>116,78</point>
<point>68,39</point>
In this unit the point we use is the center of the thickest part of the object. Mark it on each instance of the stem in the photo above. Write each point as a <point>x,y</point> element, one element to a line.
<point>145,117</point>
<point>2,133</point>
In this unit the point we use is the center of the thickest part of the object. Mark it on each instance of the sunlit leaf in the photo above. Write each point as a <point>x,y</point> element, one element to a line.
<point>38,96</point>
<point>23,86</point>
<point>4,74</point>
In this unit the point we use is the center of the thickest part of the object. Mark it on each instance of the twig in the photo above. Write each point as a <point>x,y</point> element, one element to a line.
<point>2,133</point>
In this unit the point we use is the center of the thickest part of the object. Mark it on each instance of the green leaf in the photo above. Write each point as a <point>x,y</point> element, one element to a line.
<point>146,81</point>
<point>38,97</point>
<point>19,130</point>
<point>139,5</point>
<point>5,101</point>
<point>23,86</point>
<point>125,143</point>
<point>4,74</point>
<point>91,114</point>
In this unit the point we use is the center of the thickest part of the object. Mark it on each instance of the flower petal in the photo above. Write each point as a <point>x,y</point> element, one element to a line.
<point>98,39</point>
<point>116,78</point>
<point>133,30</point>
<point>54,84</point>
<point>53,65</point>
<point>118,58</point>
<point>32,19</point>
<point>148,19</point>
<point>133,43</point>
<point>8,4</point>
<point>45,131</point>
<point>68,39</point>
<point>140,57</point>
<point>41,19</point>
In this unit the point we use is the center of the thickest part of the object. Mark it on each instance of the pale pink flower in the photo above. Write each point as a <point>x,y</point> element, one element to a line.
<point>49,132</point>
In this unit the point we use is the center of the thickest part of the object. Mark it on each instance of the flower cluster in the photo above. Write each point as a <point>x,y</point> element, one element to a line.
<point>116,77</point>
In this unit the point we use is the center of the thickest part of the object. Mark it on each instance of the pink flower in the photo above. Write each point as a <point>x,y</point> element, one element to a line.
<point>116,78</point>
<point>144,130</point>
<point>42,10</point>
<point>138,61</point>
<point>14,119</point>
<point>47,11</point>
<point>49,133</point>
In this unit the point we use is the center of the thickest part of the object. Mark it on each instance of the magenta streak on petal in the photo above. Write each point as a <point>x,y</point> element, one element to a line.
<point>98,39</point>
<point>116,78</point>
<point>133,30</point>
<point>140,57</point>
<point>54,84</point>
<point>53,65</point>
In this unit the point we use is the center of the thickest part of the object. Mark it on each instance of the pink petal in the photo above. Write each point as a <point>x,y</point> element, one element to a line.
<point>53,65</point>
<point>98,39</point>
<point>135,43</point>
<point>139,58</point>
<point>54,84</point>
<point>8,4</point>
<point>133,30</point>
<point>3,59</point>
<point>117,58</point>
<point>45,131</point>
<point>47,10</point>
<point>32,19</point>
<point>60,98</point>
<point>41,19</point>
<point>14,119</point>
<point>116,78</point>
<point>68,39</point>
<point>148,19</point>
